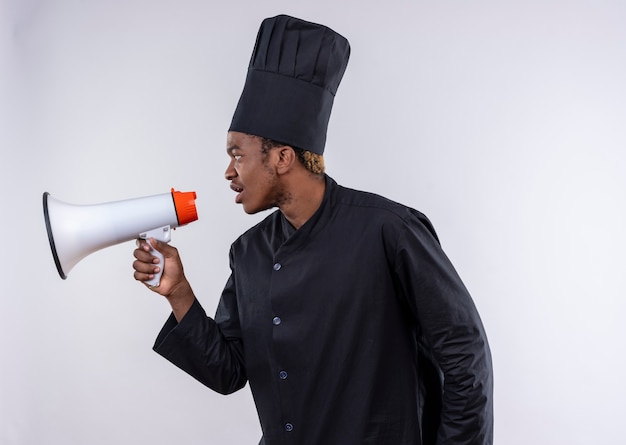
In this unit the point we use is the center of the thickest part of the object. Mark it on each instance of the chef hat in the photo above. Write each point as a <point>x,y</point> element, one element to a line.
<point>293,76</point>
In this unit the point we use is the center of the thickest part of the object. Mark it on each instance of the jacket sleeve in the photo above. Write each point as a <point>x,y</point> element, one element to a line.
<point>449,330</point>
<point>209,351</point>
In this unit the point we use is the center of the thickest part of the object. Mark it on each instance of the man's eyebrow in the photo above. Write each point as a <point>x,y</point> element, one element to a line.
<point>231,148</point>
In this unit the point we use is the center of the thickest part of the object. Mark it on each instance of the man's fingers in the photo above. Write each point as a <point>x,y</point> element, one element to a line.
<point>163,247</point>
<point>143,253</point>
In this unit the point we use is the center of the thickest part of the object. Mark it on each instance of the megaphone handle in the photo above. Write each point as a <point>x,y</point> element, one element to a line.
<point>161,234</point>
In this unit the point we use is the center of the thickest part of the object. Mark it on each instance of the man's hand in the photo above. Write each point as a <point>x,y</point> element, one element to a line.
<point>174,285</point>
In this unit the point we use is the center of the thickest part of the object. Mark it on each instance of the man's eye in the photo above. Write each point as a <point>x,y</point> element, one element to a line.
<point>236,157</point>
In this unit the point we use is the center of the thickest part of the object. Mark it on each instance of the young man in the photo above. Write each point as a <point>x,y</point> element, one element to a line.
<point>341,311</point>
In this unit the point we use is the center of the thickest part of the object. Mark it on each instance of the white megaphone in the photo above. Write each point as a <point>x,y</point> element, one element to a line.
<point>75,231</point>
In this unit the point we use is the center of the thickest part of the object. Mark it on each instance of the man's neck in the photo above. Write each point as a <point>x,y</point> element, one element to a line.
<point>305,197</point>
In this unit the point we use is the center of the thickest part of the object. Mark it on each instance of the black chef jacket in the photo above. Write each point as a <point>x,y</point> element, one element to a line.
<point>354,329</point>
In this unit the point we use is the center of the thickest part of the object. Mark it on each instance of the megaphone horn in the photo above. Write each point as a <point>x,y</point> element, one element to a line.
<point>75,231</point>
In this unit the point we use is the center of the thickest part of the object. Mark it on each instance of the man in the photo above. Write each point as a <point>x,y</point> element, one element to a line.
<point>341,310</point>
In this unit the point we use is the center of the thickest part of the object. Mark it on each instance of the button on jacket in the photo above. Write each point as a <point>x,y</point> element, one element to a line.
<point>354,329</point>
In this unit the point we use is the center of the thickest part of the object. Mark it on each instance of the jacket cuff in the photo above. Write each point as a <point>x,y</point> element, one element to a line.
<point>173,331</point>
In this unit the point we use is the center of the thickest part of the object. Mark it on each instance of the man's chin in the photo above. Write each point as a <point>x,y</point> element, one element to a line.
<point>252,210</point>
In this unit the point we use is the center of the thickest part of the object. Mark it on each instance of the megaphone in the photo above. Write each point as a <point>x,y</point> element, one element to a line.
<point>75,231</point>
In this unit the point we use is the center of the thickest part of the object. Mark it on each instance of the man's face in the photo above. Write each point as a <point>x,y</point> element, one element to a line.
<point>250,173</point>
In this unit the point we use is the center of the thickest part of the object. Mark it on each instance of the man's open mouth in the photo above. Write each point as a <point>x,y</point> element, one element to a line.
<point>237,189</point>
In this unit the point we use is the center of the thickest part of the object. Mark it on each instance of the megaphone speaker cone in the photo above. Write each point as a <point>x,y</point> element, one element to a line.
<point>46,215</point>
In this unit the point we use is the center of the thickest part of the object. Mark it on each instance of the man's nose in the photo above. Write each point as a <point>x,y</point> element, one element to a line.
<point>230,172</point>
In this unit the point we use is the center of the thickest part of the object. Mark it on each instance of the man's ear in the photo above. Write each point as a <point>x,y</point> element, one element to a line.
<point>286,159</point>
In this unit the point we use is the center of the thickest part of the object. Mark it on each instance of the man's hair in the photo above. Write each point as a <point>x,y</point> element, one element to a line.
<point>313,162</point>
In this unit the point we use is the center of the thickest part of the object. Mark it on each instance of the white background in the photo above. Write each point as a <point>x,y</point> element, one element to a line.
<point>505,122</point>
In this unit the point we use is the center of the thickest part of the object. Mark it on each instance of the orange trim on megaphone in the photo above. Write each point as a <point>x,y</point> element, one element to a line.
<point>184,203</point>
